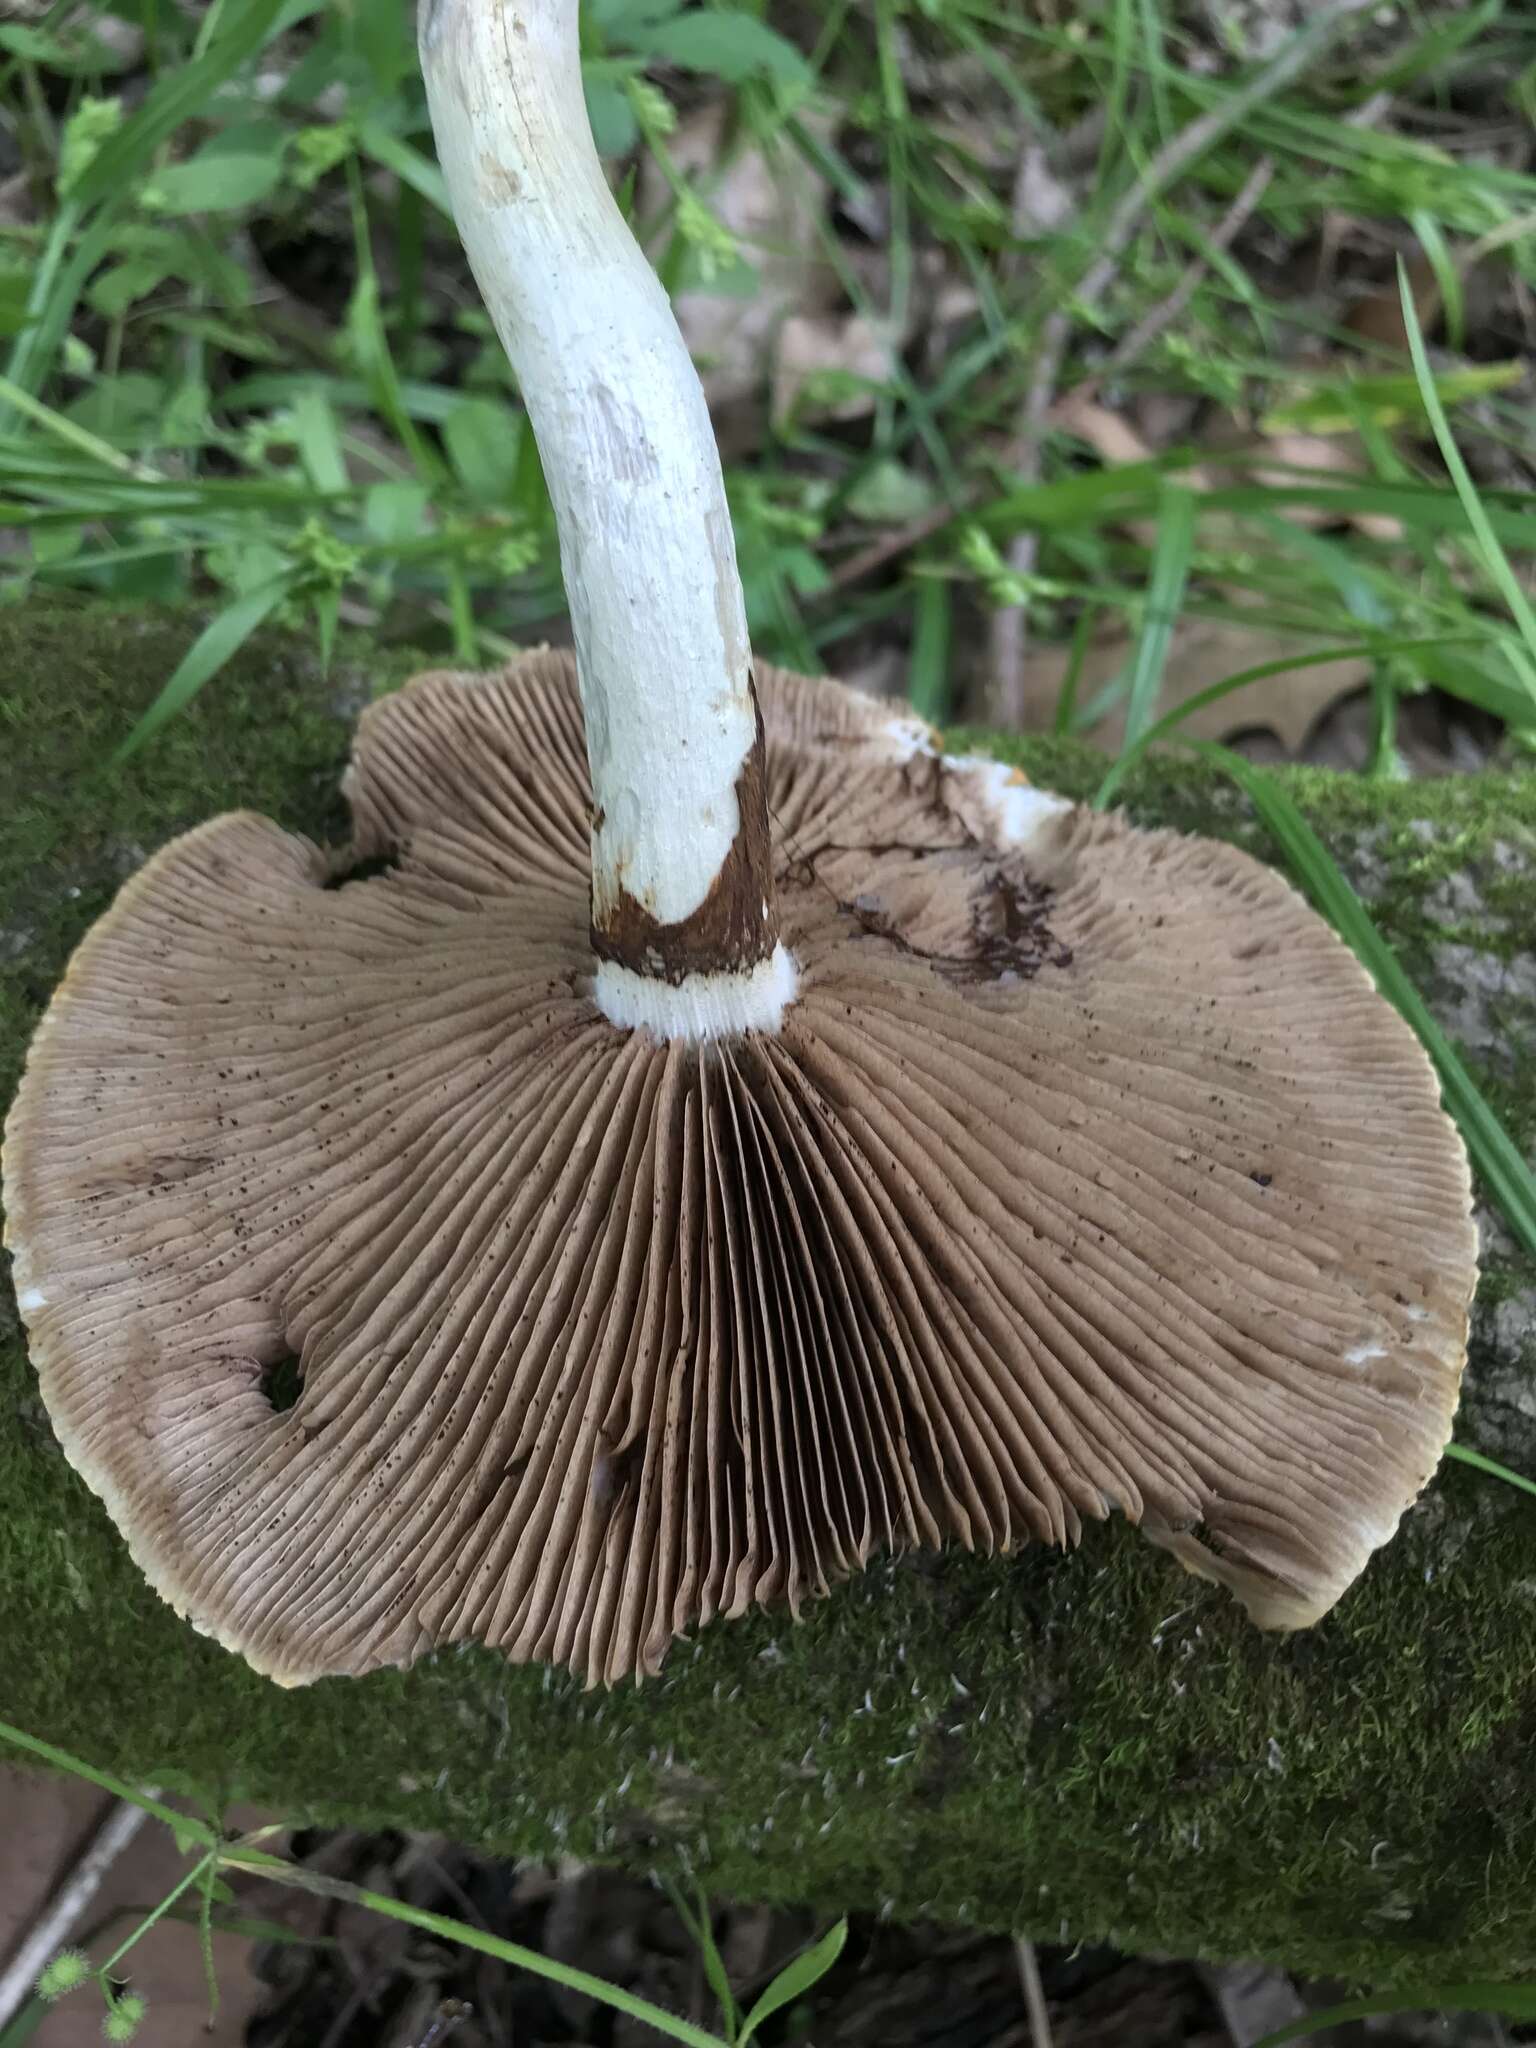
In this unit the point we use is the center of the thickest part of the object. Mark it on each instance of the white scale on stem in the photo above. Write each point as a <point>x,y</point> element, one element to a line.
<point>630,458</point>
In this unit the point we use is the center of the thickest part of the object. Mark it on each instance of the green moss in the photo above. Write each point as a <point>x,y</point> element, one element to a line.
<point>1090,1743</point>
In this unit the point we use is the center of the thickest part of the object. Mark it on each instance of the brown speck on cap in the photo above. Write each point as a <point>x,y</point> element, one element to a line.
<point>1082,1175</point>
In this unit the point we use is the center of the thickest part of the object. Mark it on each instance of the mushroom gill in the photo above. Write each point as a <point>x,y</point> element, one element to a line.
<point>1087,1171</point>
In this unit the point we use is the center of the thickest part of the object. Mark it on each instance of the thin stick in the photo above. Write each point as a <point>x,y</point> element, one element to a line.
<point>1163,315</point>
<point>1008,635</point>
<point>65,1910</point>
<point>896,542</point>
<point>1034,1993</point>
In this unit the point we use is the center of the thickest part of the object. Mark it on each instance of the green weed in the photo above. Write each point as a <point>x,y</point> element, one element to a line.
<point>212,1852</point>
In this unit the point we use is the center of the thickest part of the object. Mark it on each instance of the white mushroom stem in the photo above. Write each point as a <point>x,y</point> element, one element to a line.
<point>681,873</point>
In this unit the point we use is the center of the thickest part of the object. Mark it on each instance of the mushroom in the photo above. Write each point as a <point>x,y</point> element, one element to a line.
<point>730,1136</point>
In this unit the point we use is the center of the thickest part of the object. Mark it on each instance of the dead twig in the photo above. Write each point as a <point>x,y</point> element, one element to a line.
<point>1008,635</point>
<point>1034,1993</point>
<point>66,1909</point>
<point>1162,316</point>
<point>895,542</point>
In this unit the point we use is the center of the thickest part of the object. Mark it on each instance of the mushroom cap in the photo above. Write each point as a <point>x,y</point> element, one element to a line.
<point>1088,1171</point>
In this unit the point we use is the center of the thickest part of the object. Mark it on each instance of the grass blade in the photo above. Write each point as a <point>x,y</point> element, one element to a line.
<point>1131,752</point>
<point>928,676</point>
<point>1424,508</point>
<point>797,1977</point>
<point>319,440</point>
<point>179,96</point>
<point>56,287</point>
<point>476,1938</point>
<point>365,326</point>
<point>1489,546</point>
<point>702,1934</point>
<point>63,429</point>
<point>1065,714</point>
<point>1165,600</point>
<point>61,1760</point>
<point>220,640</point>
<point>1491,1466</point>
<point>1447,277</point>
<point>408,165</point>
<point>1514,2001</point>
<point>1503,1169</point>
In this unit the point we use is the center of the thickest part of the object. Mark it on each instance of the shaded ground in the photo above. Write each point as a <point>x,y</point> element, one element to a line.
<point>330,1975</point>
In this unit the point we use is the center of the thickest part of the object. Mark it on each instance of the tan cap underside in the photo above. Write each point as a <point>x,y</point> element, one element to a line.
<point>1091,1177</point>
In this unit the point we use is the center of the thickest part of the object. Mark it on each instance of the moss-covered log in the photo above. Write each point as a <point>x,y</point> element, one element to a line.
<point>1088,1745</point>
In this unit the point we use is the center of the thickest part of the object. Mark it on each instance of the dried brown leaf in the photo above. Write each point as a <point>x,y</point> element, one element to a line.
<point>772,208</point>
<point>1203,652</point>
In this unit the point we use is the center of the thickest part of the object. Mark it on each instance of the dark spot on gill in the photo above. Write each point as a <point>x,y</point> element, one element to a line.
<point>282,1382</point>
<point>362,870</point>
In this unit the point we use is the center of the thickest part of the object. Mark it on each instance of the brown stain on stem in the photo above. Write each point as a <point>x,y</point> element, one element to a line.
<point>736,927</point>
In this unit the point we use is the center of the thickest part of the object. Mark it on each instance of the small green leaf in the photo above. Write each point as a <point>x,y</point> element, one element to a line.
<point>395,512</point>
<point>129,406</point>
<point>319,150</point>
<point>92,52</point>
<point>615,130</point>
<point>239,168</point>
<point>889,494</point>
<point>86,134</point>
<point>722,43</point>
<point>319,440</point>
<point>381,32</point>
<point>484,440</point>
<point>797,1977</point>
<point>113,291</point>
<point>186,422</point>
<point>245,565</point>
<point>32,45</point>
